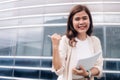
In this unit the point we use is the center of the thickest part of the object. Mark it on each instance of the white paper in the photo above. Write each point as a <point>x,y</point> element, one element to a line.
<point>87,63</point>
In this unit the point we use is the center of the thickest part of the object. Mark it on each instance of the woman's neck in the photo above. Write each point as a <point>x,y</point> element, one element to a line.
<point>82,37</point>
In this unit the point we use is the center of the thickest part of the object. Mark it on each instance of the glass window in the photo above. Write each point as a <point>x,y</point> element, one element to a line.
<point>30,41</point>
<point>112,76</point>
<point>31,21</point>
<point>6,79</point>
<point>111,65</point>
<point>86,0</point>
<point>7,42</point>
<point>46,63</point>
<point>22,3</point>
<point>6,61</point>
<point>112,18</point>
<point>8,23</point>
<point>6,72</point>
<point>98,31</point>
<point>27,62</point>
<point>33,62</point>
<point>7,5</point>
<point>113,42</point>
<point>6,14</point>
<point>48,75</point>
<point>108,8</point>
<point>55,19</point>
<point>57,1</point>
<point>98,18</point>
<point>94,7</point>
<point>47,47</point>
<point>58,9</point>
<point>23,73</point>
<point>31,11</point>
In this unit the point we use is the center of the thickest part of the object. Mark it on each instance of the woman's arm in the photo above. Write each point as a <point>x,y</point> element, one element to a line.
<point>99,63</point>
<point>87,74</point>
<point>55,48</point>
<point>94,71</point>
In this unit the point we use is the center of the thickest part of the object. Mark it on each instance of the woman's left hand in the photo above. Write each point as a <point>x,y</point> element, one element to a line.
<point>81,71</point>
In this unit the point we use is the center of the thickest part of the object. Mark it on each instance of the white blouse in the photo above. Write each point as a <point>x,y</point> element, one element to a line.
<point>69,56</point>
<point>81,50</point>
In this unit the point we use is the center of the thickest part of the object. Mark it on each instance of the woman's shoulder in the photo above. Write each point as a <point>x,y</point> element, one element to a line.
<point>64,40</point>
<point>64,37</point>
<point>95,38</point>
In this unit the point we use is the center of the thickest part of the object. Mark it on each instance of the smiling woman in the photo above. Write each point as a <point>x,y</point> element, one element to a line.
<point>81,22</point>
<point>78,43</point>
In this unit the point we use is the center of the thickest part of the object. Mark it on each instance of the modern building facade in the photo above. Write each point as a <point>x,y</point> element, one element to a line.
<point>25,48</point>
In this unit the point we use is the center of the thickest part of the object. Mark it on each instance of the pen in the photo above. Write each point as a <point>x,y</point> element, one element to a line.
<point>49,36</point>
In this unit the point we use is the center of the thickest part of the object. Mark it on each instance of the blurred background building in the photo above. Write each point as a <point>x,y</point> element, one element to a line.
<point>25,49</point>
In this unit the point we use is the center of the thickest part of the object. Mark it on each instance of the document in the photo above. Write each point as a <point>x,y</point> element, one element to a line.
<point>87,63</point>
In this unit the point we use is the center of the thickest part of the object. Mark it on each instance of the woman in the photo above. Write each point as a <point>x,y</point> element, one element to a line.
<point>78,43</point>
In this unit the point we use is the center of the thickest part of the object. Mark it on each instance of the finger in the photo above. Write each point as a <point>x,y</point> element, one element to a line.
<point>79,71</point>
<point>58,37</point>
<point>55,35</point>
<point>81,67</point>
<point>73,70</point>
<point>76,71</point>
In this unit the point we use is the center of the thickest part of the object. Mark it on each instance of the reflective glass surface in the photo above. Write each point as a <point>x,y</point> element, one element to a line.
<point>48,75</point>
<point>27,62</point>
<point>30,41</point>
<point>113,42</point>
<point>99,32</point>
<point>23,73</point>
<point>8,38</point>
<point>47,47</point>
<point>18,40</point>
<point>55,19</point>
<point>6,61</point>
<point>46,63</point>
<point>6,72</point>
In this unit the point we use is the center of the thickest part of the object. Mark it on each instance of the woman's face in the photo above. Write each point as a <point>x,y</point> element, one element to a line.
<point>81,22</point>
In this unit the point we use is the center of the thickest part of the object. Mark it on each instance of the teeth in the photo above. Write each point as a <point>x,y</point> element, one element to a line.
<point>81,26</point>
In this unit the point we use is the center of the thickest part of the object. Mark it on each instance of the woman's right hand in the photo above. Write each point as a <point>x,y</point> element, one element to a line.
<point>55,45</point>
<point>55,39</point>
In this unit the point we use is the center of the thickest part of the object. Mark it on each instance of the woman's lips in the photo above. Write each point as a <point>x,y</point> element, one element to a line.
<point>81,27</point>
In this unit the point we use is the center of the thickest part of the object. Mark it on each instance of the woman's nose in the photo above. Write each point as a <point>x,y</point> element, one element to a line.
<point>81,21</point>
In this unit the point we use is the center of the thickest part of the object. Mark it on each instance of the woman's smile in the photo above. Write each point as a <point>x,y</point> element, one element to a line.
<point>82,27</point>
<point>81,22</point>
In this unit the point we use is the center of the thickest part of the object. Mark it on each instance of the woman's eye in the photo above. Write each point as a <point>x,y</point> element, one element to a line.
<point>77,19</point>
<point>85,18</point>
